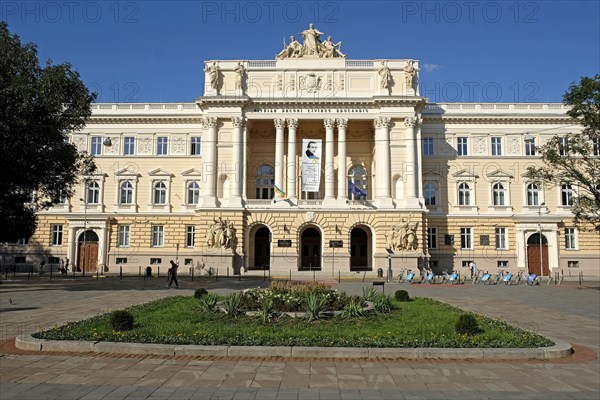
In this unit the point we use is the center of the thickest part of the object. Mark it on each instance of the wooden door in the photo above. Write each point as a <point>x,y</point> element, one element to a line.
<point>534,259</point>
<point>88,256</point>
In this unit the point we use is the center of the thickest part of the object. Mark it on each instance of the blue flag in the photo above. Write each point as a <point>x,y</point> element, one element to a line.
<point>353,189</point>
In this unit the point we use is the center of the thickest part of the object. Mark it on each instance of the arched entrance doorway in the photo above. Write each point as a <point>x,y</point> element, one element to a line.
<point>262,248</point>
<point>310,256</point>
<point>537,255</point>
<point>87,251</point>
<point>360,252</point>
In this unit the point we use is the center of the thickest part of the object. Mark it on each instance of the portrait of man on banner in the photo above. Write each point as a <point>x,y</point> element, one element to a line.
<point>311,164</point>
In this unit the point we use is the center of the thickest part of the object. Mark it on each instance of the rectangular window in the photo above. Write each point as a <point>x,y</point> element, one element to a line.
<point>466,239</point>
<point>53,260</point>
<point>155,261</point>
<point>158,236</point>
<point>121,260</point>
<point>190,236</point>
<point>124,235</point>
<point>501,242</point>
<point>57,235</point>
<point>572,264</point>
<point>496,146</point>
<point>20,260</point>
<point>188,261</point>
<point>162,145</point>
<point>570,239</point>
<point>563,142</point>
<point>96,149</point>
<point>462,148</point>
<point>530,147</point>
<point>432,238</point>
<point>502,264</point>
<point>596,147</point>
<point>195,146</point>
<point>428,146</point>
<point>465,264</point>
<point>129,146</point>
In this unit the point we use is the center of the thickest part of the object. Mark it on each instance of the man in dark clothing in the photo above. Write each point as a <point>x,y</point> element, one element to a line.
<point>173,268</point>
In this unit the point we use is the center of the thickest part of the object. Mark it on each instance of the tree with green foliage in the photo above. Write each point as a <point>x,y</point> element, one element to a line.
<point>576,161</point>
<point>39,106</point>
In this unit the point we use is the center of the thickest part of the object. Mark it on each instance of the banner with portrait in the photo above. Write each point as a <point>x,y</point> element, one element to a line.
<point>311,164</point>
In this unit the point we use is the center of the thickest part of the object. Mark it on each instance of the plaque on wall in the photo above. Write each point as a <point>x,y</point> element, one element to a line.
<point>336,243</point>
<point>284,243</point>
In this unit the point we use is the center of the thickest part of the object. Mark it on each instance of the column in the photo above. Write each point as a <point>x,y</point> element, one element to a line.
<point>329,164</point>
<point>410,169</point>
<point>279,144</point>
<point>235,198</point>
<point>383,179</point>
<point>292,171</point>
<point>209,163</point>
<point>342,191</point>
<point>419,164</point>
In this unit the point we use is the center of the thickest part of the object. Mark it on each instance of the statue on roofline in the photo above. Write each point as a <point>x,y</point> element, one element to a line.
<point>311,46</point>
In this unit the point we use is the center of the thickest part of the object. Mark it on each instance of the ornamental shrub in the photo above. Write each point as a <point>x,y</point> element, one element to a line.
<point>121,320</point>
<point>401,295</point>
<point>200,292</point>
<point>467,325</point>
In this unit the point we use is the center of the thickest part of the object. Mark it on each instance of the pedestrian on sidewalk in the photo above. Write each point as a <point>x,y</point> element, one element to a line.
<point>173,270</point>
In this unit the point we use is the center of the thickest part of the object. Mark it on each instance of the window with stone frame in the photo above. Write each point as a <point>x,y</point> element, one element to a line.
<point>358,183</point>
<point>193,192</point>
<point>265,182</point>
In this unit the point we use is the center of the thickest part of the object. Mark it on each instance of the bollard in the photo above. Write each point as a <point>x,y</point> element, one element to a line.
<point>269,274</point>
<point>158,271</point>
<point>97,273</point>
<point>314,276</point>
<point>339,276</point>
<point>29,274</point>
<point>580,277</point>
<point>240,275</point>
<point>145,276</point>
<point>264,274</point>
<point>290,274</point>
<point>217,275</point>
<point>228,272</point>
<point>140,270</point>
<point>15,271</point>
<point>192,274</point>
<point>121,273</point>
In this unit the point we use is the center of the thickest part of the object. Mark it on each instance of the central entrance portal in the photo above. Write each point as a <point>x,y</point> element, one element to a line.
<point>87,252</point>
<point>311,250</point>
<point>537,254</point>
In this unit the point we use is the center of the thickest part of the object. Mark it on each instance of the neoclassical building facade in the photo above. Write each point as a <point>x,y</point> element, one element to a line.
<point>316,162</point>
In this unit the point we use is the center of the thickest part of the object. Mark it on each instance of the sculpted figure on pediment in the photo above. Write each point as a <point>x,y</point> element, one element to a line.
<point>311,46</point>
<point>312,41</point>
<point>292,50</point>
<point>410,72</point>
<point>384,76</point>
<point>213,74</point>
<point>240,73</point>
<point>330,49</point>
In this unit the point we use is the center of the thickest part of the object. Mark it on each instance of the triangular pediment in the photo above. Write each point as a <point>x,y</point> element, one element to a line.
<point>126,172</point>
<point>465,173</point>
<point>432,175</point>
<point>192,172</point>
<point>159,172</point>
<point>499,173</point>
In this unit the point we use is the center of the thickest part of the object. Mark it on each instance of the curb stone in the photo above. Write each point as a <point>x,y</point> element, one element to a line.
<point>560,349</point>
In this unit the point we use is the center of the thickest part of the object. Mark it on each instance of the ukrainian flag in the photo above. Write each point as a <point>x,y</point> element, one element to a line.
<point>279,191</point>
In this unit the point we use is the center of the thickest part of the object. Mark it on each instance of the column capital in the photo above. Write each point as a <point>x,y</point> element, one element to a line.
<point>210,122</point>
<point>329,123</point>
<point>410,122</point>
<point>292,123</point>
<point>279,123</point>
<point>382,122</point>
<point>238,121</point>
<point>342,123</point>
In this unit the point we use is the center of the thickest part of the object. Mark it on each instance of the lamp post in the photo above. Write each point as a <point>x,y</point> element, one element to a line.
<point>85,198</point>
<point>541,249</point>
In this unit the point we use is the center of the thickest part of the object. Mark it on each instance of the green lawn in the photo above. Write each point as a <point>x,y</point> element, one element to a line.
<point>179,320</point>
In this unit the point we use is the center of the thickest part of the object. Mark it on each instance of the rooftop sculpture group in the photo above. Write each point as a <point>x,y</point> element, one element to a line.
<point>312,46</point>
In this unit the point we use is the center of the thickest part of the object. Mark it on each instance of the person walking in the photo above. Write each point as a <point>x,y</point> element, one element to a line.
<point>173,269</point>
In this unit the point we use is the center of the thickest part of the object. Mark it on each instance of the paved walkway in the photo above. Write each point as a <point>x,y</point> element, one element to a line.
<point>569,312</point>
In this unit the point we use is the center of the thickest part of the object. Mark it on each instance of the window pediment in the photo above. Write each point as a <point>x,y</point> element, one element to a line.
<point>159,172</point>
<point>126,172</point>
<point>192,172</point>
<point>465,174</point>
<point>500,174</point>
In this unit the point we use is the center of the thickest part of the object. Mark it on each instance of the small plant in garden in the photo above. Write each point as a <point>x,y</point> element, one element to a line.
<point>315,303</point>
<point>467,325</point>
<point>208,302</point>
<point>369,293</point>
<point>383,303</point>
<point>232,304</point>
<point>121,320</point>
<point>200,292</point>
<point>353,309</point>
<point>401,295</point>
<point>267,311</point>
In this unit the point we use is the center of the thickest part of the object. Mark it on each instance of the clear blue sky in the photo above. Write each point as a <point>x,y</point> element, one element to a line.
<point>153,51</point>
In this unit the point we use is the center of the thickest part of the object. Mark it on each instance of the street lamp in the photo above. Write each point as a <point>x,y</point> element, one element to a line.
<point>541,249</point>
<point>85,198</point>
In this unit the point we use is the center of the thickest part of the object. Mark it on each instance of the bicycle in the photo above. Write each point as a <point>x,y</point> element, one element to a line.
<point>519,278</point>
<point>409,277</point>
<point>400,276</point>
<point>507,278</point>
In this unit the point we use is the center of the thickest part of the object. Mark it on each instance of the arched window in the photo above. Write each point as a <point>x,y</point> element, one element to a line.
<point>498,194</point>
<point>160,193</point>
<point>358,183</point>
<point>193,192</point>
<point>265,182</point>
<point>430,193</point>
<point>566,194</point>
<point>464,194</point>
<point>533,194</point>
<point>93,193</point>
<point>126,193</point>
